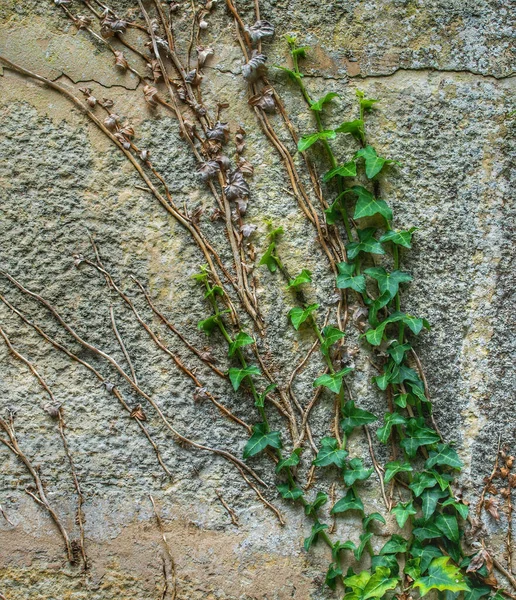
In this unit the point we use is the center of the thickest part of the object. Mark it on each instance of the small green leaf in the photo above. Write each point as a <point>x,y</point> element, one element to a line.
<point>418,434</point>
<point>367,205</point>
<point>330,454</point>
<point>261,439</point>
<point>379,583</point>
<point>395,467</point>
<point>421,482</point>
<point>269,259</point>
<point>355,128</point>
<point>402,511</point>
<point>373,163</point>
<point>333,381</point>
<point>396,545</point>
<point>348,169</point>
<point>413,568</point>
<point>462,509</point>
<point>332,575</point>
<point>299,315</point>
<point>449,527</point>
<point>320,500</point>
<point>331,335</point>
<point>318,106</point>
<point>332,213</point>
<point>291,461</point>
<point>425,553</point>
<point>366,521</point>
<point>241,339</point>
<point>445,455</point>
<point>390,420</point>
<point>304,277</point>
<point>388,282</point>
<point>236,376</point>
<point>274,232</point>
<point>209,324</point>
<point>312,538</point>
<point>430,499</point>
<point>349,502</point>
<point>367,243</point>
<point>216,290</point>
<point>386,560</point>
<point>338,546</point>
<point>364,540</point>
<point>400,238</point>
<point>355,471</point>
<point>401,400</point>
<point>260,400</point>
<point>292,74</point>
<point>289,493</point>
<point>397,352</point>
<point>427,531</point>
<point>355,417</point>
<point>441,576</point>
<point>346,279</point>
<point>309,140</point>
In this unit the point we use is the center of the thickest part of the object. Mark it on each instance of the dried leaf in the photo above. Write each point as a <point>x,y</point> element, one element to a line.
<point>223,161</point>
<point>144,155</point>
<point>255,68</point>
<point>491,505</point>
<point>53,410</point>
<point>127,130</point>
<point>264,100</point>
<point>120,60</point>
<point>203,54</point>
<point>155,67</point>
<point>240,140</point>
<point>200,394</point>
<point>150,93</point>
<point>220,132</point>
<point>247,230</point>
<point>237,187</point>
<point>111,121</point>
<point>241,206</point>
<point>82,21</point>
<point>245,166</point>
<point>261,29</point>
<point>123,140</point>
<point>477,562</point>
<point>208,170</point>
<point>194,78</point>
<point>138,414</point>
<point>106,103</point>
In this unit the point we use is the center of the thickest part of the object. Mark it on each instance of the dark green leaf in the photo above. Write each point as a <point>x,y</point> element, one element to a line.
<point>261,439</point>
<point>386,560</point>
<point>442,575</point>
<point>401,400</point>
<point>216,290</point>
<point>236,376</point>
<point>309,140</point>
<point>367,205</point>
<point>332,575</point>
<point>318,106</point>
<point>316,530</point>
<point>397,352</point>
<point>346,279</point>
<point>430,498</point>
<point>445,455</point>
<point>291,461</point>
<point>355,417</point>
<point>338,546</point>
<point>449,527</point>
<point>289,493</point>
<point>355,471</point>
<point>418,434</point>
<point>402,511</point>
<point>462,509</point>
<point>395,545</point>
<point>364,540</point>
<point>209,324</point>
<point>331,335</point>
<point>395,467</point>
<point>333,381</point>
<point>269,259</point>
<point>355,128</point>
<point>421,482</point>
<point>304,277</point>
<point>400,238</point>
<point>320,500</point>
<point>241,339</point>
<point>373,163</point>
<point>370,518</point>
<point>390,420</point>
<point>330,454</point>
<point>413,568</point>
<point>425,553</point>
<point>299,315</point>
<point>260,400</point>
<point>348,169</point>
<point>367,243</point>
<point>388,282</point>
<point>427,531</point>
<point>477,591</point>
<point>349,502</point>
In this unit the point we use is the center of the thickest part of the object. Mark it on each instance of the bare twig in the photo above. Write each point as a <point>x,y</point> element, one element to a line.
<point>170,573</point>
<point>230,511</point>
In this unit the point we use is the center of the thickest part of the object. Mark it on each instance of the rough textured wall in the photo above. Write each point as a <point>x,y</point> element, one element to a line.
<point>444,74</point>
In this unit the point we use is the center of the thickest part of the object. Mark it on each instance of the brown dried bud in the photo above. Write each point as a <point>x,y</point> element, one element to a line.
<point>264,100</point>
<point>155,67</point>
<point>78,259</point>
<point>111,121</point>
<point>85,90</point>
<point>138,414</point>
<point>91,101</point>
<point>144,155</point>
<point>53,410</point>
<point>120,60</point>
<point>62,2</point>
<point>246,167</point>
<point>193,78</point>
<point>150,93</point>
<point>127,130</point>
<point>109,386</point>
<point>106,103</point>
<point>83,21</point>
<point>203,54</point>
<point>200,394</point>
<point>123,140</point>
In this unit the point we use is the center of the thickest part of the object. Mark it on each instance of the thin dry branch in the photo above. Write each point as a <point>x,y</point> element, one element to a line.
<point>170,573</point>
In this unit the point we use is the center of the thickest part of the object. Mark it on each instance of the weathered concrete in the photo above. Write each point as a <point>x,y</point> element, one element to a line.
<point>444,75</point>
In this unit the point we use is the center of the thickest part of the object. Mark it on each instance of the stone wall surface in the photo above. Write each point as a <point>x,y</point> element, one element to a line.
<point>444,74</point>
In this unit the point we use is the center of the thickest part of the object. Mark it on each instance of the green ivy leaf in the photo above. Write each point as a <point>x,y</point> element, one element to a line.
<point>386,560</point>
<point>260,400</point>
<point>430,499</point>
<point>418,434</point>
<point>394,467</point>
<point>355,417</point>
<point>320,500</point>
<point>388,282</point>
<point>312,538</point>
<point>318,106</point>
<point>338,546</point>
<point>209,324</point>
<point>291,461</point>
<point>299,315</point>
<point>448,526</point>
<point>421,482</point>
<point>289,493</point>
<point>355,128</point>
<point>350,502</point>
<point>401,400</point>
<point>367,205</point>
<point>330,454</point>
<point>309,140</point>
<point>397,352</point>
<point>477,591</point>
<point>292,74</point>
<point>274,232</point>
<point>366,521</point>
<point>333,573</point>
<point>441,576</point>
<point>332,213</point>
<point>379,583</point>
<point>346,279</point>
<point>304,277</point>
<point>462,509</point>
<point>396,545</point>
<point>241,339</point>
<point>425,553</point>
<point>261,439</point>
<point>364,540</point>
<point>402,511</point>
<point>413,568</point>
<point>390,420</point>
<point>445,455</point>
<point>373,163</point>
<point>427,531</point>
<point>216,290</point>
<point>348,169</point>
<point>365,103</point>
<point>331,335</point>
<point>269,259</point>
<point>333,381</point>
<point>400,238</point>
<point>367,243</point>
<point>355,471</point>
<point>236,376</point>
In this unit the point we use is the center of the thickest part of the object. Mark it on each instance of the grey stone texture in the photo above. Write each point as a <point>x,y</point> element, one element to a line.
<point>444,74</point>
